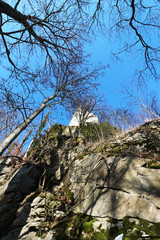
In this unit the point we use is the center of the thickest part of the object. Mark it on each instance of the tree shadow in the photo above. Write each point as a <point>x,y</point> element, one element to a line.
<point>107,179</point>
<point>107,191</point>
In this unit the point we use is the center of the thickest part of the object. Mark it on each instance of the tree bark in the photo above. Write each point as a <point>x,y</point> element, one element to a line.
<point>11,12</point>
<point>12,136</point>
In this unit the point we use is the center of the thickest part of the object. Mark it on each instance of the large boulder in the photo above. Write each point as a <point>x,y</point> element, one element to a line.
<point>116,187</point>
<point>22,183</point>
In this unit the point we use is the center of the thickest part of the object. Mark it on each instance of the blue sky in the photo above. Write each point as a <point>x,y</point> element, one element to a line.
<point>118,74</point>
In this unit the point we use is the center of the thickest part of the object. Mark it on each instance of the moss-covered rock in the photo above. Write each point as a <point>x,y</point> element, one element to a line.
<point>100,149</point>
<point>83,154</point>
<point>81,227</point>
<point>140,229</point>
<point>74,226</point>
<point>153,164</point>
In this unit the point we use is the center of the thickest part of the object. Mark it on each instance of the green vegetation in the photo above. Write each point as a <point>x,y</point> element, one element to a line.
<point>100,149</point>
<point>96,132</point>
<point>83,154</point>
<point>88,227</point>
<point>69,195</point>
<point>80,156</point>
<point>75,226</point>
<point>115,149</point>
<point>101,235</point>
<point>140,229</point>
<point>80,227</point>
<point>45,144</point>
<point>55,130</point>
<point>153,164</point>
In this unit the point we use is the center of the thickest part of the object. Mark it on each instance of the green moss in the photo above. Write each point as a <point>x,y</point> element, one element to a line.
<point>136,230</point>
<point>88,227</point>
<point>70,195</point>
<point>80,223</point>
<point>156,229</point>
<point>153,164</point>
<point>84,238</point>
<point>80,156</point>
<point>43,228</point>
<point>102,235</point>
<point>113,231</point>
<point>151,143</point>
<point>80,227</point>
<point>42,194</point>
<point>110,154</point>
<point>139,142</point>
<point>100,149</point>
<point>120,148</point>
<point>127,223</point>
<point>117,149</point>
<point>75,226</point>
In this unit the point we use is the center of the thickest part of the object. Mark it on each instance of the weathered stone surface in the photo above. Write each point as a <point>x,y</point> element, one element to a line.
<point>22,183</point>
<point>24,180</point>
<point>50,236</point>
<point>116,187</point>
<point>108,185</point>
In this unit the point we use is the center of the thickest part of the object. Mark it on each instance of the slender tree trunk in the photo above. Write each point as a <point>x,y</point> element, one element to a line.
<point>12,136</point>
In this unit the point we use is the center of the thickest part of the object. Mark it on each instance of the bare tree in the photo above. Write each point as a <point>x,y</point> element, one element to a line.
<point>8,120</point>
<point>58,27</point>
<point>148,107</point>
<point>136,26</point>
<point>46,65</point>
<point>121,118</point>
<point>72,79</point>
<point>155,105</point>
<point>42,38</point>
<point>53,27</point>
<point>86,108</point>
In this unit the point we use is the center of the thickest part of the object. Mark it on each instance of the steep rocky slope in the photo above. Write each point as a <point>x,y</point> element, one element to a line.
<point>67,188</point>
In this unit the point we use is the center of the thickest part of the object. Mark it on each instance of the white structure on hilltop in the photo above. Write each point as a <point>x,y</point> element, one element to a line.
<point>82,116</point>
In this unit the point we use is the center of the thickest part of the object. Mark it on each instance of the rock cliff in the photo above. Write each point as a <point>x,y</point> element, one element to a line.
<point>68,188</point>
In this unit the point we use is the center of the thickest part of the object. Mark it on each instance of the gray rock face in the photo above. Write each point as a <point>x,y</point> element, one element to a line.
<point>112,183</point>
<point>116,187</point>
<point>22,183</point>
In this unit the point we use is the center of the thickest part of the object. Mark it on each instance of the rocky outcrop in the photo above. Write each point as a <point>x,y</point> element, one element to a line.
<point>69,191</point>
<point>22,183</point>
<point>116,187</point>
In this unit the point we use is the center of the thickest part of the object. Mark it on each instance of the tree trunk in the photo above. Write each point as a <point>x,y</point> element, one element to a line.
<point>12,136</point>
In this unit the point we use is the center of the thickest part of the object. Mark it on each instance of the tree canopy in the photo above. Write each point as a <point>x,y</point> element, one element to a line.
<point>42,48</point>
